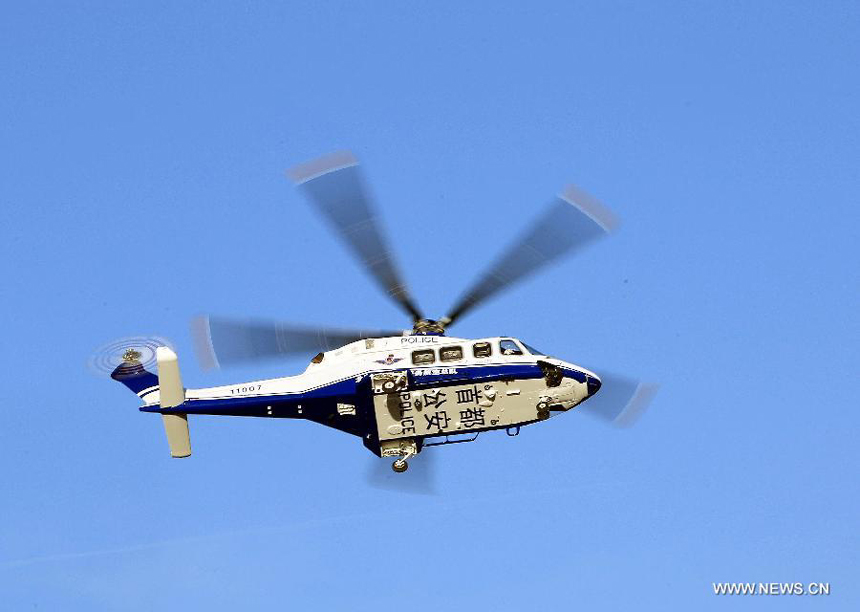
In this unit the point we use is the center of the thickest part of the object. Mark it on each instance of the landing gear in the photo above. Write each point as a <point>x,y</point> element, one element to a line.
<point>401,465</point>
<point>543,409</point>
<point>403,450</point>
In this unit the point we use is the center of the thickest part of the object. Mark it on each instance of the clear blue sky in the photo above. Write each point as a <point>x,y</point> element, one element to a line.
<point>142,182</point>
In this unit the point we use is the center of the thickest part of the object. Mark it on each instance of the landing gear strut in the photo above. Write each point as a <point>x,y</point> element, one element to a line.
<point>402,450</point>
<point>401,465</point>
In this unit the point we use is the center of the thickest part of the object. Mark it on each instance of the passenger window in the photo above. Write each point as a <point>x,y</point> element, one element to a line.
<point>423,357</point>
<point>509,347</point>
<point>482,349</point>
<point>451,353</point>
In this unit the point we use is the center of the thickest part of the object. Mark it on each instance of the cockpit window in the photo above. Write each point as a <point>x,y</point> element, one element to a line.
<point>482,349</point>
<point>533,350</point>
<point>318,358</point>
<point>423,357</point>
<point>451,353</point>
<point>509,347</point>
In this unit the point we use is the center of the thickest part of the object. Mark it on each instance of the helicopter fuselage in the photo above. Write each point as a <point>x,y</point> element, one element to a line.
<point>397,392</point>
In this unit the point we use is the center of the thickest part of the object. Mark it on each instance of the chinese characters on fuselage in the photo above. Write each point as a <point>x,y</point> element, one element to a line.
<point>434,371</point>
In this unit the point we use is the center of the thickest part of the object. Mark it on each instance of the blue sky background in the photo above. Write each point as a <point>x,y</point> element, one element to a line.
<point>142,183</point>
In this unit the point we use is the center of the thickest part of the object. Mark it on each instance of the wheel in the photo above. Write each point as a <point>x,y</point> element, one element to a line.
<point>543,414</point>
<point>400,466</point>
<point>388,386</point>
<point>543,406</point>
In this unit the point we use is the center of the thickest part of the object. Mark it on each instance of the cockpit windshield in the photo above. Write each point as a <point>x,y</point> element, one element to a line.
<point>532,349</point>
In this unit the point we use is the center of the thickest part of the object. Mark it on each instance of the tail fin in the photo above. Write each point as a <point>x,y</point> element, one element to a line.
<point>134,376</point>
<point>173,394</point>
<point>166,389</point>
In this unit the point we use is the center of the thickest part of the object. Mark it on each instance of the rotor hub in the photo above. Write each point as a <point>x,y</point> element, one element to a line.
<point>131,356</point>
<point>428,327</point>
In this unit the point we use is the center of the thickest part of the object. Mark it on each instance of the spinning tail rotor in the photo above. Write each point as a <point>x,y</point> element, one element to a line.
<point>131,361</point>
<point>141,349</point>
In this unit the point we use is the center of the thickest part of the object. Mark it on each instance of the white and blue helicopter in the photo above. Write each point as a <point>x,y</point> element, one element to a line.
<point>399,391</point>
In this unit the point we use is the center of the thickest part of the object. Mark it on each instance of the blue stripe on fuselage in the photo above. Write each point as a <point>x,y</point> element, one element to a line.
<point>343,388</point>
<point>574,374</point>
<point>442,374</point>
<point>419,377</point>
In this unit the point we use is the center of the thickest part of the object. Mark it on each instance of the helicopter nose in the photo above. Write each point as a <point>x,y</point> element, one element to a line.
<point>593,384</point>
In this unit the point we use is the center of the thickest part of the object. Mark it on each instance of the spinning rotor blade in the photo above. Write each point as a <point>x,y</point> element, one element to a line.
<point>334,185</point>
<point>420,478</point>
<point>140,349</point>
<point>620,400</point>
<point>572,221</point>
<point>223,342</point>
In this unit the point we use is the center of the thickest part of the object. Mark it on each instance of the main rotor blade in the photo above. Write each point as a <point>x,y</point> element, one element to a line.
<point>224,342</point>
<point>620,400</point>
<point>572,221</point>
<point>334,185</point>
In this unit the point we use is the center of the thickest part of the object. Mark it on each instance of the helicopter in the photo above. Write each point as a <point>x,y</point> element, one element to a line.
<point>400,391</point>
